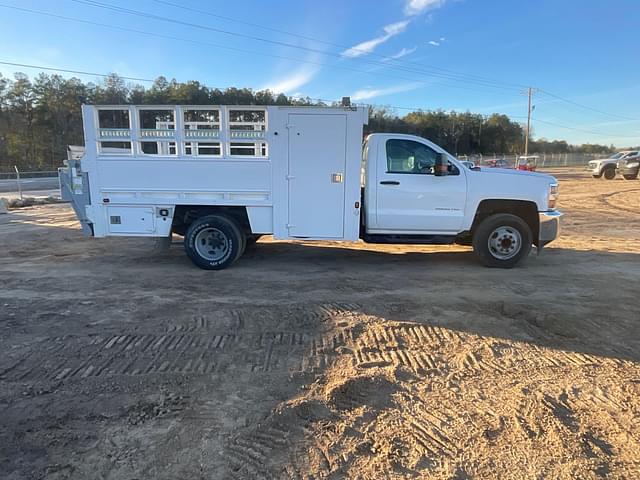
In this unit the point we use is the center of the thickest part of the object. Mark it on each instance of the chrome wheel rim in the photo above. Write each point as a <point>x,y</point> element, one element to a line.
<point>212,244</point>
<point>505,242</point>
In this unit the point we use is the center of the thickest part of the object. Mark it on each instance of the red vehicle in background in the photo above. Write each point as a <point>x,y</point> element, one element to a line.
<point>497,163</point>
<point>527,162</point>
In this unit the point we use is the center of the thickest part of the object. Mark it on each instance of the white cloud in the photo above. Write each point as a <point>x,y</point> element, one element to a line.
<point>416,7</point>
<point>396,28</point>
<point>366,93</point>
<point>292,82</point>
<point>403,53</point>
<point>437,43</point>
<point>369,46</point>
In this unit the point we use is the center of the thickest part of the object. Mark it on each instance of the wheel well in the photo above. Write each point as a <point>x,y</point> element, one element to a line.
<point>528,211</point>
<point>185,214</point>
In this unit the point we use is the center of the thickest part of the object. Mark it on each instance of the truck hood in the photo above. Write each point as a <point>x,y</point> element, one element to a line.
<point>520,173</point>
<point>510,184</point>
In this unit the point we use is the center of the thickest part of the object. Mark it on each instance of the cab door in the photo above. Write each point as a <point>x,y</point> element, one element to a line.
<point>410,198</point>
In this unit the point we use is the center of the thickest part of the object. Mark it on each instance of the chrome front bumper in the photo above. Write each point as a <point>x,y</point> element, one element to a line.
<point>549,227</point>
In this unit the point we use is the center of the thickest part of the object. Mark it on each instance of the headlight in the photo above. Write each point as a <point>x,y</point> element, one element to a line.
<point>553,195</point>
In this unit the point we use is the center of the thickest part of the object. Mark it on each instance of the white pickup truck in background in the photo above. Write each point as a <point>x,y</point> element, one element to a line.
<point>607,166</point>
<point>221,176</point>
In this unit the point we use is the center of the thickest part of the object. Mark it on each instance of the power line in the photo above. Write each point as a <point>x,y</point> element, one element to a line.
<point>321,100</point>
<point>78,72</point>
<point>585,131</point>
<point>122,10</point>
<point>82,72</point>
<point>338,45</point>
<point>128,11</point>
<point>566,100</point>
<point>454,76</point>
<point>226,47</point>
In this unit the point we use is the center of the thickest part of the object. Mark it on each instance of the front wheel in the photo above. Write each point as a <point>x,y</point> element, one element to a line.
<point>610,173</point>
<point>502,240</point>
<point>213,242</point>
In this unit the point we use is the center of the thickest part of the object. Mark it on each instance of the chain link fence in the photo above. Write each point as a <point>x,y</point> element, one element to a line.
<point>544,159</point>
<point>29,183</point>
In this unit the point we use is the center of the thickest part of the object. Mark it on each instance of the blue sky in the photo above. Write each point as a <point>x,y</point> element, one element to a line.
<point>451,54</point>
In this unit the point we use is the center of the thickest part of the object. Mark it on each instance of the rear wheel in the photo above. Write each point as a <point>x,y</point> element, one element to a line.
<point>502,240</point>
<point>214,242</point>
<point>610,173</point>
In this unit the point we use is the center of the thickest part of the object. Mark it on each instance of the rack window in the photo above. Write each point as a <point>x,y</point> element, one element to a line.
<point>208,148</point>
<point>114,119</point>
<point>201,149</point>
<point>247,123</point>
<point>248,149</point>
<point>157,119</point>
<point>114,148</point>
<point>201,124</point>
<point>158,148</point>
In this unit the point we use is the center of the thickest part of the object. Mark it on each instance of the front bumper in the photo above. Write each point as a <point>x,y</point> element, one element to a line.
<point>549,227</point>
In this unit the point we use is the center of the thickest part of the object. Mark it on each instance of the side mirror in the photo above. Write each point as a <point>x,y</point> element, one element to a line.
<point>441,167</point>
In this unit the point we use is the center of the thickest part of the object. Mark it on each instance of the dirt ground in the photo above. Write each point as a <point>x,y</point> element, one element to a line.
<point>323,360</point>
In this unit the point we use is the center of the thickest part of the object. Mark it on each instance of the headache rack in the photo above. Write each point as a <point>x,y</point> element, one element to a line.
<point>192,131</point>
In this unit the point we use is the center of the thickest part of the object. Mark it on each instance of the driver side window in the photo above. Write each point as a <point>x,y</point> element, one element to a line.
<point>407,156</point>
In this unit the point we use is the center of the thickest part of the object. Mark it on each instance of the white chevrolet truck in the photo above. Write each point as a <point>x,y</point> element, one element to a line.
<point>221,176</point>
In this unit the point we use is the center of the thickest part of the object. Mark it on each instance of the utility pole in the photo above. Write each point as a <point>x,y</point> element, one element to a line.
<point>526,139</point>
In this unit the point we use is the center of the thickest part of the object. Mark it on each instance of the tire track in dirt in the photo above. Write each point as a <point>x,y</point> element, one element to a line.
<point>408,345</point>
<point>197,346</point>
<point>262,449</point>
<point>430,431</point>
<point>605,199</point>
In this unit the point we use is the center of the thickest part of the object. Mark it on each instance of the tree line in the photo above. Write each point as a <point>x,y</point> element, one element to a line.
<point>40,117</point>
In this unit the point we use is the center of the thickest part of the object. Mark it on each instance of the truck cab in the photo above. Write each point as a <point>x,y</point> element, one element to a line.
<point>221,176</point>
<point>407,200</point>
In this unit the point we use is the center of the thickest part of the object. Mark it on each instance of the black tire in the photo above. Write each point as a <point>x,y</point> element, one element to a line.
<point>609,173</point>
<point>630,177</point>
<point>214,242</point>
<point>510,228</point>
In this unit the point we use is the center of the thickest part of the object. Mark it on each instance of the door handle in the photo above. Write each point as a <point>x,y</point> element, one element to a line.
<point>389,182</point>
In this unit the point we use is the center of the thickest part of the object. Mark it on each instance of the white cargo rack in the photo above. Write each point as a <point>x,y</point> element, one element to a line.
<point>296,170</point>
<point>181,130</point>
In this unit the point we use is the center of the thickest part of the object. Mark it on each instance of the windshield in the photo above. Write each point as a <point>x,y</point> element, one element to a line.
<point>615,155</point>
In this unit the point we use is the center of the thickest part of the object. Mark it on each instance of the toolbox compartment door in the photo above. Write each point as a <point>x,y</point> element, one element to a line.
<point>130,220</point>
<point>317,161</point>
